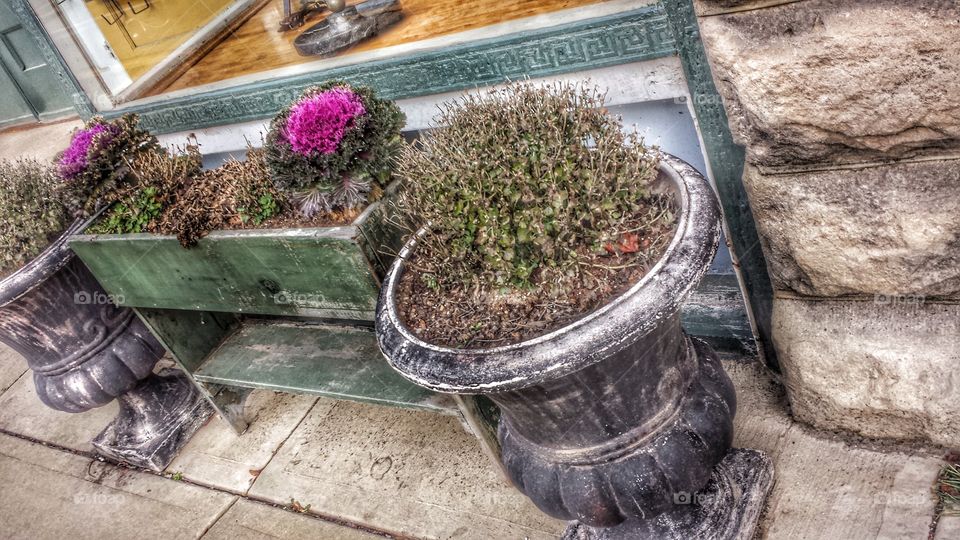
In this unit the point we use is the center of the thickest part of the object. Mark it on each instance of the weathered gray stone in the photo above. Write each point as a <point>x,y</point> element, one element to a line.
<point>830,489</point>
<point>839,80</point>
<point>880,370</point>
<point>890,230</point>
<point>715,7</point>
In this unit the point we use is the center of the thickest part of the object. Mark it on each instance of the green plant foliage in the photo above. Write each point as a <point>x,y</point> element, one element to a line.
<point>352,175</point>
<point>521,181</point>
<point>106,167</point>
<point>948,489</point>
<point>131,219</point>
<point>31,213</point>
<point>153,182</point>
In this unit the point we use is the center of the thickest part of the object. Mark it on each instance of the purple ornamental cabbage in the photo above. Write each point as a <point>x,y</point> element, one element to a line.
<point>318,123</point>
<point>74,160</point>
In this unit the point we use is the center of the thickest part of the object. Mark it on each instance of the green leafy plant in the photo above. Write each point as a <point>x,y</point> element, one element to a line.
<point>131,219</point>
<point>97,163</point>
<point>333,147</point>
<point>154,180</point>
<point>530,197</point>
<point>31,212</point>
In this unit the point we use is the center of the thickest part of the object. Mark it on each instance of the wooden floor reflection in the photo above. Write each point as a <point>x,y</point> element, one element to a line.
<point>257,45</point>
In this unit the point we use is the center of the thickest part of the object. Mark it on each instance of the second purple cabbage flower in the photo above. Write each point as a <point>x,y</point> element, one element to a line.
<point>74,160</point>
<point>319,122</point>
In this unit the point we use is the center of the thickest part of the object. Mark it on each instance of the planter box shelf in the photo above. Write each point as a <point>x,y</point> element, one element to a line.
<point>339,362</point>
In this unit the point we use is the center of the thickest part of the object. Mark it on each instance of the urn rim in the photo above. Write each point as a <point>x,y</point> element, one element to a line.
<point>49,261</point>
<point>652,300</point>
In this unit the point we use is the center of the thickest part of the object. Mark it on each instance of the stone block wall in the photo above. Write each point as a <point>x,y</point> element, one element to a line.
<point>850,114</point>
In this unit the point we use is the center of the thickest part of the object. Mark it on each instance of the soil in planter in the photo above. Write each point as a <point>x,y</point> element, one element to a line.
<point>460,318</point>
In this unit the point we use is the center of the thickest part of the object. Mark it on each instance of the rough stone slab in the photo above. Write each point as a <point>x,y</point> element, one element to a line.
<point>948,528</point>
<point>53,494</point>
<point>839,81</point>
<point>762,418</point>
<point>706,8</point>
<point>39,141</point>
<point>890,230</point>
<point>831,489</point>
<point>885,371</point>
<point>826,487</point>
<point>405,472</point>
<point>22,412</point>
<point>216,456</point>
<point>248,520</point>
<point>12,367</point>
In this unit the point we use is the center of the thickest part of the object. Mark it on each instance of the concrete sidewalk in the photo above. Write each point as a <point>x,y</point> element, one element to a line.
<point>37,141</point>
<point>362,471</point>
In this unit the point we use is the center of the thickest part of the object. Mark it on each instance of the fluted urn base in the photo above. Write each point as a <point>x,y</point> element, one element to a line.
<point>728,508</point>
<point>156,419</point>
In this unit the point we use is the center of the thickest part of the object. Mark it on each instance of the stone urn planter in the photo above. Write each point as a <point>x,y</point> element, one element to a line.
<point>618,422</point>
<point>85,352</point>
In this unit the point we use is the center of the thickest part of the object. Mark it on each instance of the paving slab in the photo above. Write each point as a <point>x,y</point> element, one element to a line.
<point>248,520</point>
<point>22,413</point>
<point>64,495</point>
<point>23,141</point>
<point>407,473</point>
<point>216,456</point>
<point>762,418</point>
<point>825,486</point>
<point>948,528</point>
<point>12,367</point>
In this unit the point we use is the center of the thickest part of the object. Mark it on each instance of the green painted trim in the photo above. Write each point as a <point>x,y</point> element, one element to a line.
<point>726,162</point>
<point>632,36</point>
<point>30,22</point>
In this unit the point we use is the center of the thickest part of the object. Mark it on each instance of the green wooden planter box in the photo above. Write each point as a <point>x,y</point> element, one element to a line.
<point>288,310</point>
<point>329,273</point>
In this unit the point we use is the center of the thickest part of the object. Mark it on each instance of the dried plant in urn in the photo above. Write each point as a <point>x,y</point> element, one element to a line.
<point>551,256</point>
<point>32,215</point>
<point>333,148</point>
<point>537,207</point>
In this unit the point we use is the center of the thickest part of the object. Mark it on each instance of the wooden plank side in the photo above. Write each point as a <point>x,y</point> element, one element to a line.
<point>715,312</point>
<point>299,272</point>
<point>190,336</point>
<point>339,362</point>
<point>726,160</point>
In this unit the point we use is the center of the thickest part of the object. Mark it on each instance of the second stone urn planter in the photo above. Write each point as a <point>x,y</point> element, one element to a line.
<point>85,352</point>
<point>618,422</point>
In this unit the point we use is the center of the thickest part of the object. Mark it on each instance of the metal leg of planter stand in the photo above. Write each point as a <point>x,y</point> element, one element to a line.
<point>726,509</point>
<point>156,419</point>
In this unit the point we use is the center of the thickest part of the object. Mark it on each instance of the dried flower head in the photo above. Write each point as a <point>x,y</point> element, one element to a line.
<point>318,123</point>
